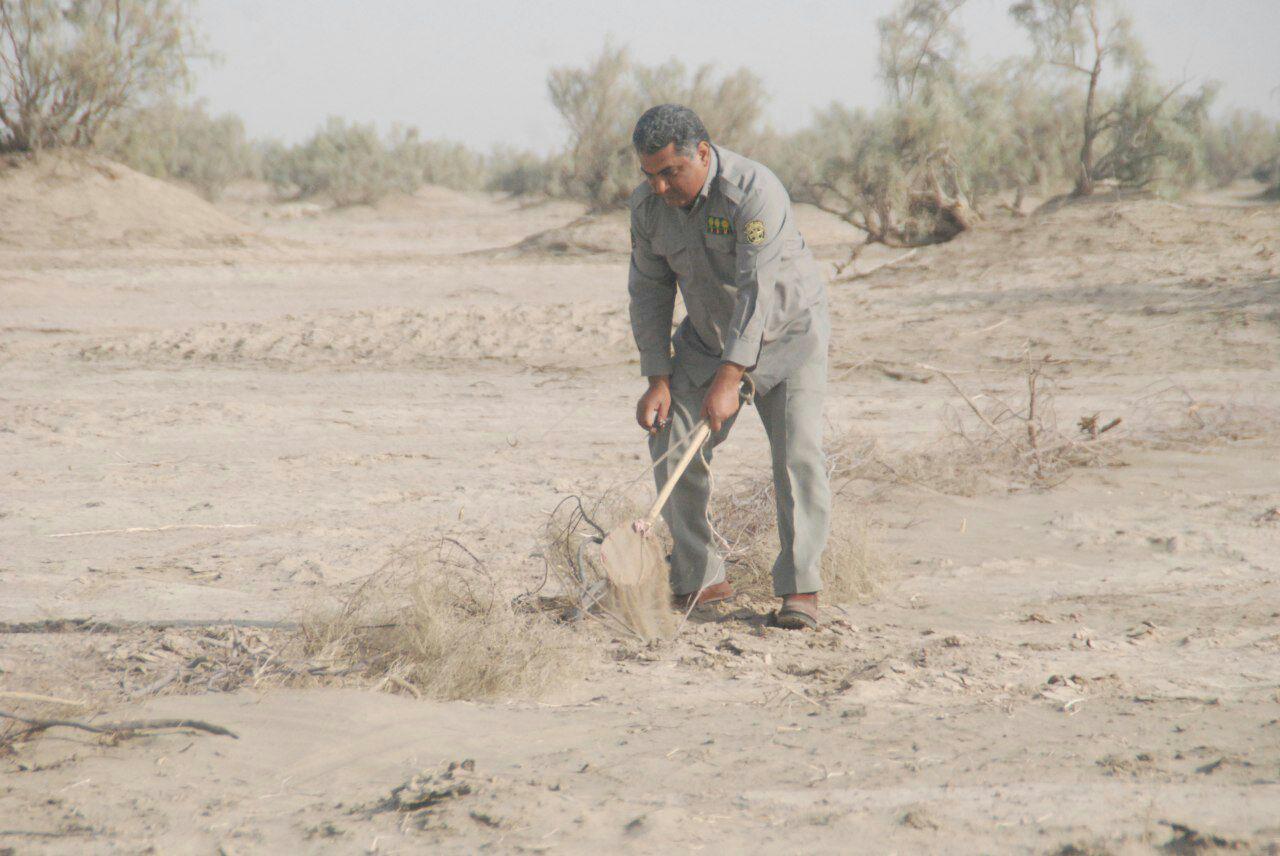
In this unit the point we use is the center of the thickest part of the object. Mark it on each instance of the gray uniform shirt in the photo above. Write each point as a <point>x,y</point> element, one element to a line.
<point>753,293</point>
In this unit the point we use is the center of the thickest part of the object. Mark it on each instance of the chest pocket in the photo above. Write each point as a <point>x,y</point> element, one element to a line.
<point>723,244</point>
<point>722,255</point>
<point>670,247</point>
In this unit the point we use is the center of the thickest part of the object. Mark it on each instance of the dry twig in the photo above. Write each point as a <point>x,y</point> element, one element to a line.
<point>117,729</point>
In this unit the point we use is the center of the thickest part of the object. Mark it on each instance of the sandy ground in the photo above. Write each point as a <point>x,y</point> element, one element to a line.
<point>1092,668</point>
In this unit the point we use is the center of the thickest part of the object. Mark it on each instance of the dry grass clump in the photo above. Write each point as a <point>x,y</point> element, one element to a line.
<point>570,547</point>
<point>853,566</point>
<point>433,624</point>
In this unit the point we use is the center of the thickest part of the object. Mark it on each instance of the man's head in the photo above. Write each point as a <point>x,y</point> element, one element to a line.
<point>675,152</point>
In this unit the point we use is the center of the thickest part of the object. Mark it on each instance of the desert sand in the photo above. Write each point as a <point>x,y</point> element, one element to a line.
<point>238,413</point>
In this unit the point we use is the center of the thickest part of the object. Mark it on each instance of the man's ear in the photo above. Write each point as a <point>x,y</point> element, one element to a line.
<point>704,152</point>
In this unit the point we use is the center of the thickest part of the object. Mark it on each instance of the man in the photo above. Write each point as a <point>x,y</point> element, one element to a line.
<point>720,229</point>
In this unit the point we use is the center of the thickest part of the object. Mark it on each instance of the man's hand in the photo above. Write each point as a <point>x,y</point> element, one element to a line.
<point>722,399</point>
<point>655,404</point>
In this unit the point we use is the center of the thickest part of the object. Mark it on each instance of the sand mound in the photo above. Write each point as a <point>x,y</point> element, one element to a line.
<point>591,234</point>
<point>73,200</point>
<point>538,335</point>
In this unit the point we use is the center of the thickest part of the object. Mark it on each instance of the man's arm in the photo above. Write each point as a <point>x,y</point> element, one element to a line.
<point>758,224</point>
<point>652,287</point>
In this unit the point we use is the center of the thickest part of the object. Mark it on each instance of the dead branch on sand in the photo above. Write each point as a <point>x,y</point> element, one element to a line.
<point>119,730</point>
<point>1023,439</point>
<point>860,274</point>
<point>94,625</point>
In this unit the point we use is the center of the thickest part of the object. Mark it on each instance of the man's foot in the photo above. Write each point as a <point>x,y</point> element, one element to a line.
<point>798,612</point>
<point>711,594</point>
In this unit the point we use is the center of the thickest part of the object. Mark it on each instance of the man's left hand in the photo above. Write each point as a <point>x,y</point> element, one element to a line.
<point>722,400</point>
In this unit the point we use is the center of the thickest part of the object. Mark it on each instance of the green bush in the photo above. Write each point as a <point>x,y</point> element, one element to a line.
<point>350,164</point>
<point>522,173</point>
<point>438,162</point>
<point>182,143</point>
<point>1244,145</point>
<point>346,162</point>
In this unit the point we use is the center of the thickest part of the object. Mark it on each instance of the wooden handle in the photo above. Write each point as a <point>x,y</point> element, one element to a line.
<point>699,437</point>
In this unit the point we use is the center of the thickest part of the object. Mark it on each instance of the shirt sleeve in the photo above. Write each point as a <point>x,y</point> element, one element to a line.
<point>652,287</point>
<point>758,223</point>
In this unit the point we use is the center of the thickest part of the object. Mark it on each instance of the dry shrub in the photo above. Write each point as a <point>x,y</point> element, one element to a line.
<point>993,441</point>
<point>570,547</point>
<point>1175,419</point>
<point>432,623</point>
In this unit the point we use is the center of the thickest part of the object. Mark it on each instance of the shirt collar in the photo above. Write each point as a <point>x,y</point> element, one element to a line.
<point>712,171</point>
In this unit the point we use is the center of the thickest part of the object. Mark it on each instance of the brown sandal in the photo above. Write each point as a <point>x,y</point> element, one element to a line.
<point>713,593</point>
<point>798,612</point>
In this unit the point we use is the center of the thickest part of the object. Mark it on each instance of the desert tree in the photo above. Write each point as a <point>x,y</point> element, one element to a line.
<point>1158,136</point>
<point>599,104</point>
<point>1083,38</point>
<point>1038,149</point>
<point>67,66</point>
<point>730,106</point>
<point>920,48</point>
<point>914,171</point>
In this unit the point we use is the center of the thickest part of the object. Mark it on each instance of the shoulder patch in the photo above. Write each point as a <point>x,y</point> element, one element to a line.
<point>754,231</point>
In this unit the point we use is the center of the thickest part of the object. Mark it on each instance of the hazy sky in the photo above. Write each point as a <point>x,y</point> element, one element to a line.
<point>476,72</point>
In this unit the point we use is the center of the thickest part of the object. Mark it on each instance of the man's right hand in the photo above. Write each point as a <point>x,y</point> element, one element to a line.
<point>654,406</point>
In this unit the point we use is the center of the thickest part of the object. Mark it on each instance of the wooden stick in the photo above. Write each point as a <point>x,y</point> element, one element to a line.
<point>120,727</point>
<point>890,263</point>
<point>699,437</point>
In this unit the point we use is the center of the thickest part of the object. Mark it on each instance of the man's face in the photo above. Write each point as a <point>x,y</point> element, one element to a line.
<point>674,177</point>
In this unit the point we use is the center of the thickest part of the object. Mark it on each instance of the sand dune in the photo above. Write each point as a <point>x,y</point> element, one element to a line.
<point>78,200</point>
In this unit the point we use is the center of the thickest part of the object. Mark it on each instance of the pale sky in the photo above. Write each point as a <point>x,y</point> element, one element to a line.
<point>476,72</point>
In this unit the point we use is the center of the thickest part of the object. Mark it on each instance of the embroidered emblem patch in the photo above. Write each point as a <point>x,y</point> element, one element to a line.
<point>719,226</point>
<point>755,232</point>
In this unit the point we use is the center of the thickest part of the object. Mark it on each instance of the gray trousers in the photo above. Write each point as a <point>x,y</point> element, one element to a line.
<point>792,415</point>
